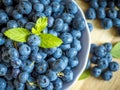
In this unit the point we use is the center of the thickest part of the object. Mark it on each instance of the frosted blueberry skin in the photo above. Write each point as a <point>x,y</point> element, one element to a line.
<point>113,66</point>
<point>96,72</point>
<point>107,75</point>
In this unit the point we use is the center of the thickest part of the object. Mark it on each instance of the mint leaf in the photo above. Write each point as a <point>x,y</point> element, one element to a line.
<point>49,41</point>
<point>40,25</point>
<point>85,75</point>
<point>17,34</point>
<point>116,50</point>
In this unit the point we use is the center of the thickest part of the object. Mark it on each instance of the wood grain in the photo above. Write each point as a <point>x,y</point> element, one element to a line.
<point>99,36</point>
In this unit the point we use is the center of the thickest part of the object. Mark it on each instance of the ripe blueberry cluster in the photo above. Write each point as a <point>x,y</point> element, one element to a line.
<point>105,10</point>
<point>26,66</point>
<point>102,60</point>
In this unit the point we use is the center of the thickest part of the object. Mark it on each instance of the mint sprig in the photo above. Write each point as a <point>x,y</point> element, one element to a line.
<point>21,34</point>
<point>116,51</point>
<point>85,75</point>
<point>17,34</point>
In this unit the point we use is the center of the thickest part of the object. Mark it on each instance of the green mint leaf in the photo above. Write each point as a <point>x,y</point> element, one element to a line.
<point>17,34</point>
<point>116,51</point>
<point>40,25</point>
<point>49,41</point>
<point>85,75</point>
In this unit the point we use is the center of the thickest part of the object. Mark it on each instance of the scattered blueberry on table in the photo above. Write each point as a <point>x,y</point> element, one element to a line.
<point>25,65</point>
<point>107,11</point>
<point>100,62</point>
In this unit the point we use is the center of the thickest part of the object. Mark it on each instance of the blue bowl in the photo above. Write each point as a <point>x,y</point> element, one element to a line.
<point>83,54</point>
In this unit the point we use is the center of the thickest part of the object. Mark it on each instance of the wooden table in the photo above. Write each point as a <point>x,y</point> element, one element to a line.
<point>99,36</point>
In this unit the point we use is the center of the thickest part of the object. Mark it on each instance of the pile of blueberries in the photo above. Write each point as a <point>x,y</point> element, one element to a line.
<point>102,61</point>
<point>26,66</point>
<point>107,11</point>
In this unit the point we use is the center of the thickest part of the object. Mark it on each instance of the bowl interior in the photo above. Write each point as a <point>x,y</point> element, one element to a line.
<point>83,54</point>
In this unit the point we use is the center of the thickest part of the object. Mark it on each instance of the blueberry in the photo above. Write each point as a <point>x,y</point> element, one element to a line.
<point>94,4</point>
<point>50,21</point>
<point>16,63</point>
<point>111,4</point>
<point>29,25</point>
<point>18,85</point>
<point>111,13</point>
<point>45,2</point>
<point>7,2</point>
<point>59,65</point>
<point>76,44</point>
<point>34,1</point>
<point>24,50</point>
<point>72,52</point>
<point>3,70</point>
<point>67,17</point>
<point>41,67</point>
<point>22,21</point>
<point>108,56</point>
<point>102,3</point>
<point>65,46</point>
<point>90,26</point>
<point>53,32</point>
<point>52,51</point>
<point>79,24</point>
<point>73,62</point>
<point>48,10</point>
<point>36,56</point>
<point>43,81</point>
<point>9,10</point>
<point>100,51</point>
<point>58,84</point>
<point>72,8</point>
<point>34,40</point>
<point>76,34</point>
<point>101,13</point>
<point>3,29</point>
<point>68,75</point>
<point>66,38</point>
<point>96,72</point>
<point>23,77</point>
<point>92,48</point>
<point>28,66</point>
<point>107,75</point>
<point>55,6</point>
<point>108,46</point>
<point>116,22</point>
<point>6,57</point>
<point>51,60</point>
<point>58,53</point>
<point>2,41</point>
<point>38,7</point>
<point>9,86</point>
<point>24,7</point>
<point>16,15</point>
<point>58,26</point>
<point>88,64</point>
<point>107,23</point>
<point>113,66</point>
<point>90,13</point>
<point>3,83</point>
<point>13,53</point>
<point>65,27</point>
<point>37,15</point>
<point>12,24</point>
<point>3,17</point>
<point>31,83</point>
<point>15,72</point>
<point>51,75</point>
<point>103,63</point>
<point>24,57</point>
<point>50,86</point>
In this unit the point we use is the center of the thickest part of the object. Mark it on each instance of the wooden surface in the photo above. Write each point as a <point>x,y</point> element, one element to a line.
<point>99,36</point>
